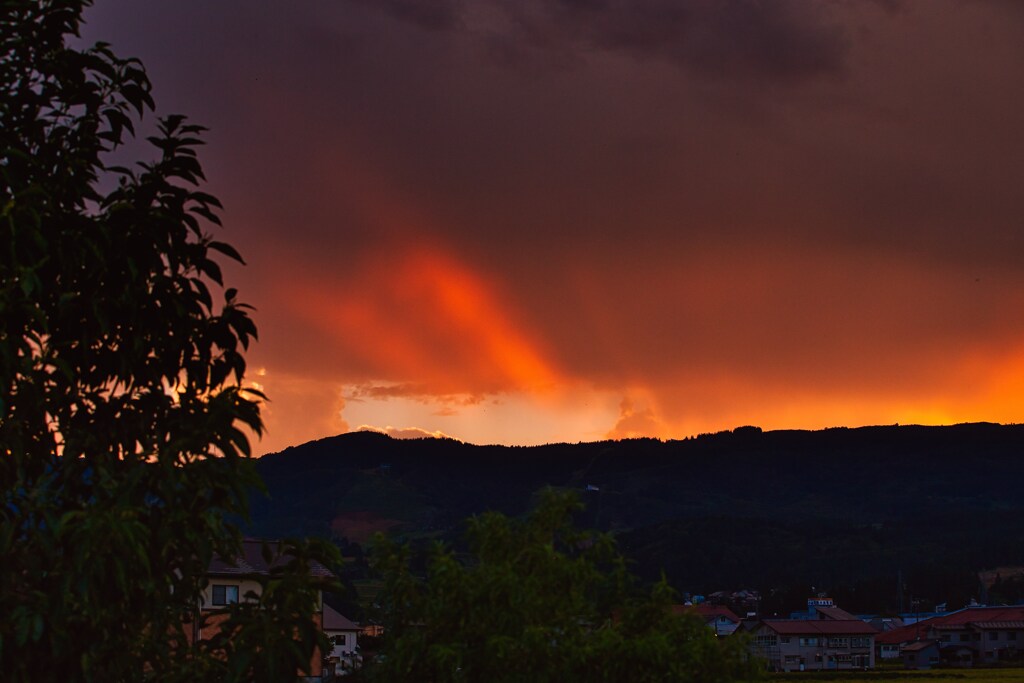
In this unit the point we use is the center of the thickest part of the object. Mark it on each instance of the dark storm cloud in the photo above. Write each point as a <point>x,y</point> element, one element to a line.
<point>432,14</point>
<point>782,40</point>
<point>733,38</point>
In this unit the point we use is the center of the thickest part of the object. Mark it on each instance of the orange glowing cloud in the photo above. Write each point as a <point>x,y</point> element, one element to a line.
<point>425,319</point>
<point>413,312</point>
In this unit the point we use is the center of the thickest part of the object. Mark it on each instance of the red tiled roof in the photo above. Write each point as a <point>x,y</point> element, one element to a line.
<point>959,620</point>
<point>919,645</point>
<point>336,621</point>
<point>253,562</point>
<point>834,613</point>
<point>999,624</point>
<point>979,614</point>
<point>823,627</point>
<point>906,633</point>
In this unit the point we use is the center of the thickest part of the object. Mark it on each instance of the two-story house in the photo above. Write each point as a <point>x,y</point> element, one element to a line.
<point>343,634</point>
<point>236,580</point>
<point>966,637</point>
<point>832,641</point>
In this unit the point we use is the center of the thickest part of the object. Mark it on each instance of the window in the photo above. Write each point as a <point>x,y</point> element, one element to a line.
<point>785,640</point>
<point>225,595</point>
<point>809,642</point>
<point>946,637</point>
<point>965,637</point>
<point>993,635</point>
<point>1011,635</point>
<point>766,640</point>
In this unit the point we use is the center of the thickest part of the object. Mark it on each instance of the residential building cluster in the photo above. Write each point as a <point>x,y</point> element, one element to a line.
<point>973,636</point>
<point>824,637</point>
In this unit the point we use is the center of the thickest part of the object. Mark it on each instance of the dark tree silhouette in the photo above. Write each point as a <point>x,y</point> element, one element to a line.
<point>539,600</point>
<point>122,407</point>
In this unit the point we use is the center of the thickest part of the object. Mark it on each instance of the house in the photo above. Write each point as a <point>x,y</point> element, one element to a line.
<point>343,634</point>
<point>814,644</point>
<point>890,643</point>
<point>992,634</point>
<point>745,601</point>
<point>722,620</point>
<point>237,580</point>
<point>966,637</point>
<point>921,654</point>
<point>883,649</point>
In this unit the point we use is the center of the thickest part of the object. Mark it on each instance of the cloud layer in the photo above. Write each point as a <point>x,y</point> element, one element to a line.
<point>785,40</point>
<point>566,219</point>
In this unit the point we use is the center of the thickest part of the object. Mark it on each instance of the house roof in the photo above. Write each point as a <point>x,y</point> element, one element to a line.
<point>919,645</point>
<point>820,627</point>
<point>904,634</point>
<point>252,561</point>
<point>1000,624</point>
<point>973,615</point>
<point>336,621</point>
<point>834,613</point>
<point>979,617</point>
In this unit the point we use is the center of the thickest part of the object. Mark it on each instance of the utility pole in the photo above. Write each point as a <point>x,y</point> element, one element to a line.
<point>899,591</point>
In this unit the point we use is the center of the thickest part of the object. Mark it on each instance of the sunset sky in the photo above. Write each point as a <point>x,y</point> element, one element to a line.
<point>527,221</point>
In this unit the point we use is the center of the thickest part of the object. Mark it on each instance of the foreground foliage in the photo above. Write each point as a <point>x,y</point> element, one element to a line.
<point>538,600</point>
<point>121,402</point>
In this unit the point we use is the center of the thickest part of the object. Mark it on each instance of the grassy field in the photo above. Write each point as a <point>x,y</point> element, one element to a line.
<point>944,676</point>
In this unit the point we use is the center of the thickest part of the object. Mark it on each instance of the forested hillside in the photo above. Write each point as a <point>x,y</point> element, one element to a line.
<point>840,509</point>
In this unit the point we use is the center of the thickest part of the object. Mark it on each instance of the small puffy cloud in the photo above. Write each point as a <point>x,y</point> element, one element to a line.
<point>406,432</point>
<point>635,422</point>
<point>422,393</point>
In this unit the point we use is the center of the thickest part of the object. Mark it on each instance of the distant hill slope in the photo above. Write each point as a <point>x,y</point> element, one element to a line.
<point>744,505</point>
